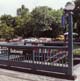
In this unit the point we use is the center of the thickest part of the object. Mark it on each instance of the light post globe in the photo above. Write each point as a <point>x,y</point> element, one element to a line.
<point>69,6</point>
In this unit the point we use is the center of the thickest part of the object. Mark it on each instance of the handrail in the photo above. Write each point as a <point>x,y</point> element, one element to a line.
<point>32,46</point>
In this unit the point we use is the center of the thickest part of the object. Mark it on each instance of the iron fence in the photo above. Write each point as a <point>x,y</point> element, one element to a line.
<point>45,58</point>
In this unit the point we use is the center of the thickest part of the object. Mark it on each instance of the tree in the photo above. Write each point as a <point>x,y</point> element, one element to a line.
<point>77,16</point>
<point>22,11</point>
<point>8,20</point>
<point>22,22</point>
<point>57,14</point>
<point>44,17</point>
<point>26,24</point>
<point>6,31</point>
<point>6,26</point>
<point>41,18</point>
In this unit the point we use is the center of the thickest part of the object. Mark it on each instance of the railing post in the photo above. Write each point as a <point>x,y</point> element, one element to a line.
<point>8,57</point>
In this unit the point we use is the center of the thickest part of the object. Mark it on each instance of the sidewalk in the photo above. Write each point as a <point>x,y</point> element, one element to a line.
<point>8,75</point>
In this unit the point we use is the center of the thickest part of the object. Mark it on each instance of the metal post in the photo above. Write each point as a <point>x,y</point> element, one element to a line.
<point>70,44</point>
<point>8,57</point>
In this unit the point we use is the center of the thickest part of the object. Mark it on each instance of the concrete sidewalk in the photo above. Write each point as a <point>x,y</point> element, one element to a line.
<point>8,75</point>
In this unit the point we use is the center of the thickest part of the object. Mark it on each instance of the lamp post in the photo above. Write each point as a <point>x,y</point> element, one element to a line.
<point>69,7</point>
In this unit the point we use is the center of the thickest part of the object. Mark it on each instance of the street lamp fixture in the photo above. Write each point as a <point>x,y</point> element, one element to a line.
<point>70,6</point>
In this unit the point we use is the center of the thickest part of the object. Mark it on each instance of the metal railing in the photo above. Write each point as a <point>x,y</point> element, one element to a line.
<point>46,58</point>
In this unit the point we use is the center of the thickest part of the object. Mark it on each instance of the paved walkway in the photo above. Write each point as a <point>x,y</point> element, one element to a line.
<point>8,75</point>
<point>77,72</point>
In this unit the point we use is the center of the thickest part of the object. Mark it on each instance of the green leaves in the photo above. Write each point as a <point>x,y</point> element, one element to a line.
<point>76,16</point>
<point>44,17</point>
<point>6,31</point>
<point>27,24</point>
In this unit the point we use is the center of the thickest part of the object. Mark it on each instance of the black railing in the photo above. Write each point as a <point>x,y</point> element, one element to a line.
<point>38,56</point>
<point>41,57</point>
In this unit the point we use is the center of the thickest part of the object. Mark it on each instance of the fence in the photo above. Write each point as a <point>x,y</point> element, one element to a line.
<point>39,58</point>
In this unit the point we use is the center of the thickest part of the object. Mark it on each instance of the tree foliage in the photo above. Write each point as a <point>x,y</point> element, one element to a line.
<point>77,16</point>
<point>42,19</point>
<point>6,32</point>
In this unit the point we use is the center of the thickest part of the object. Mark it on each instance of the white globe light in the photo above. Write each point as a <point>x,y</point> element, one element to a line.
<point>70,6</point>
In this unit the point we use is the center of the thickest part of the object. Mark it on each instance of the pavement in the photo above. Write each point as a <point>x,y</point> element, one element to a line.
<point>76,72</point>
<point>10,75</point>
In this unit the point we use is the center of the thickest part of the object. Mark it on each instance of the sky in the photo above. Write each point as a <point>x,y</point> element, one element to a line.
<point>10,6</point>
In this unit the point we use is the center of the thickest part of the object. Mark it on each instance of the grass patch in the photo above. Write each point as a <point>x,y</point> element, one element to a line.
<point>76,49</point>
